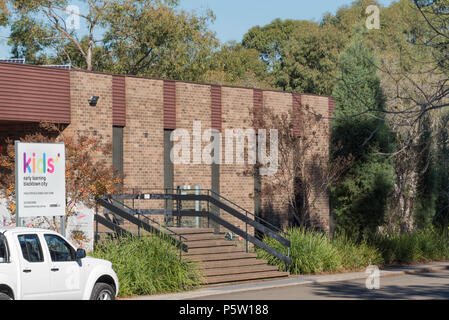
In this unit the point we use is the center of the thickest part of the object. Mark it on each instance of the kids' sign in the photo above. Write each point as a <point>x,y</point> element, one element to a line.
<point>40,179</point>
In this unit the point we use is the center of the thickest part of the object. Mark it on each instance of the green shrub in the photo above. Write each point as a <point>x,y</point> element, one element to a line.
<point>418,246</point>
<point>356,256</point>
<point>148,265</point>
<point>314,252</point>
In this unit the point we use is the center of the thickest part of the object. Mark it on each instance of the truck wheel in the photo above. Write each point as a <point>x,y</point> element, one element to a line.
<point>4,296</point>
<point>102,291</point>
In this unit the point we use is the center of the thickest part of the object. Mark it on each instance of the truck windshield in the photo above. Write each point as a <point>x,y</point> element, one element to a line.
<point>3,249</point>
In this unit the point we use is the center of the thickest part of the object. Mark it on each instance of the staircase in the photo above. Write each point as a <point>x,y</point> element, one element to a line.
<point>224,262</point>
<point>221,261</point>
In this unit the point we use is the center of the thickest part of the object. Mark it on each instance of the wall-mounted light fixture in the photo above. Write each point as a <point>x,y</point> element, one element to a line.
<point>93,100</point>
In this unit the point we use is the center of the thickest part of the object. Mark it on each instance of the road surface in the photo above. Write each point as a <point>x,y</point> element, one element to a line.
<point>434,285</point>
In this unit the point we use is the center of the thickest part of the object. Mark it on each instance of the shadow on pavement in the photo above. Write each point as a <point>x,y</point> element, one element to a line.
<point>407,289</point>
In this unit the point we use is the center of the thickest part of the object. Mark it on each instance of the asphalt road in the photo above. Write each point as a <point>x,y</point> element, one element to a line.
<point>433,286</point>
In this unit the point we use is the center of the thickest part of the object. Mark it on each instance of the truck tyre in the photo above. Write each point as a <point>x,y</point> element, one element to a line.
<point>4,296</point>
<point>102,291</point>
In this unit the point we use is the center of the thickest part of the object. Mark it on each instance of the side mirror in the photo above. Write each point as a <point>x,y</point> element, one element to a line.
<point>80,254</point>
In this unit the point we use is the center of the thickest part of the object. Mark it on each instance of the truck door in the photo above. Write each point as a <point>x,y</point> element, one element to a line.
<point>66,276</point>
<point>34,270</point>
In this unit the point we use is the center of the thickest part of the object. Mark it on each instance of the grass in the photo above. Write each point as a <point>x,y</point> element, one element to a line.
<point>148,265</point>
<point>315,253</point>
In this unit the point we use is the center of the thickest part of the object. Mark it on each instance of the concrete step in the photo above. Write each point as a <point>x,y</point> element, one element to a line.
<point>248,262</point>
<point>213,250</point>
<point>203,236</point>
<point>245,277</point>
<point>221,284</point>
<point>237,270</point>
<point>189,231</point>
<point>221,256</point>
<point>222,262</point>
<point>208,243</point>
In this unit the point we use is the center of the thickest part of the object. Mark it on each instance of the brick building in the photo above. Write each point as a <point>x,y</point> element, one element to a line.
<point>138,114</point>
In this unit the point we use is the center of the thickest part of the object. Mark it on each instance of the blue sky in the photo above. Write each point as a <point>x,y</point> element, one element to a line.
<point>235,17</point>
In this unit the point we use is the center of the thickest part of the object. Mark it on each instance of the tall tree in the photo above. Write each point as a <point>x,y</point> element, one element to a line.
<point>41,26</point>
<point>271,39</point>
<point>359,200</point>
<point>310,60</point>
<point>234,64</point>
<point>144,37</point>
<point>153,39</point>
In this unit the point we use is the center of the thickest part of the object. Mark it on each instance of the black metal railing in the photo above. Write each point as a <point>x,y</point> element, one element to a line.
<point>214,203</point>
<point>136,217</point>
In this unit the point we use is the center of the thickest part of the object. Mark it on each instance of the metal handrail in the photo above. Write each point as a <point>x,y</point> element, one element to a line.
<point>226,204</point>
<point>107,203</point>
<point>249,212</point>
<point>152,220</point>
<point>127,196</point>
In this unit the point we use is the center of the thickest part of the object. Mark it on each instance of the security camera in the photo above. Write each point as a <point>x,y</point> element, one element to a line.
<point>93,101</point>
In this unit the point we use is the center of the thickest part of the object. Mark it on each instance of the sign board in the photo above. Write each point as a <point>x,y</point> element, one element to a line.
<point>40,179</point>
<point>82,222</point>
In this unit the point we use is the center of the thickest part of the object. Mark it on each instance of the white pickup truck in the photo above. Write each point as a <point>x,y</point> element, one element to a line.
<point>40,264</point>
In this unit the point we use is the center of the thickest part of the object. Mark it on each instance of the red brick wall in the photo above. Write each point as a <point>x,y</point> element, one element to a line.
<point>319,153</point>
<point>275,209</point>
<point>143,135</point>
<point>235,184</point>
<point>91,120</point>
<point>193,104</point>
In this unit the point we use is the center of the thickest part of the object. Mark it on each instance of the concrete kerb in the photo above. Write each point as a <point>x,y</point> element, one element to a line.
<point>294,281</point>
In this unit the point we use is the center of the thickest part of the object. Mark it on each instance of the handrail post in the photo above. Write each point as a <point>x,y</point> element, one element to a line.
<point>180,249</point>
<point>208,209</point>
<point>138,216</point>
<point>96,226</point>
<point>134,193</point>
<point>246,226</point>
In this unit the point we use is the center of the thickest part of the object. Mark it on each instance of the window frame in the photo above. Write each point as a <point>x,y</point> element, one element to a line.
<point>41,251</point>
<point>5,241</point>
<point>72,250</point>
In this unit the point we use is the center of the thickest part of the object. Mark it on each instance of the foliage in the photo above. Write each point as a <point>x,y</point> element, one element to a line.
<point>427,182</point>
<point>134,37</point>
<point>314,252</point>
<point>271,39</point>
<point>233,64</point>
<point>148,265</point>
<point>359,200</point>
<point>418,246</point>
<point>441,217</point>
<point>153,39</point>
<point>87,172</point>
<point>3,13</point>
<point>309,60</point>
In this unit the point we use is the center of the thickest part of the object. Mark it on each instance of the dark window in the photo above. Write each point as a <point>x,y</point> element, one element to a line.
<point>168,164</point>
<point>117,150</point>
<point>59,249</point>
<point>31,247</point>
<point>3,250</point>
